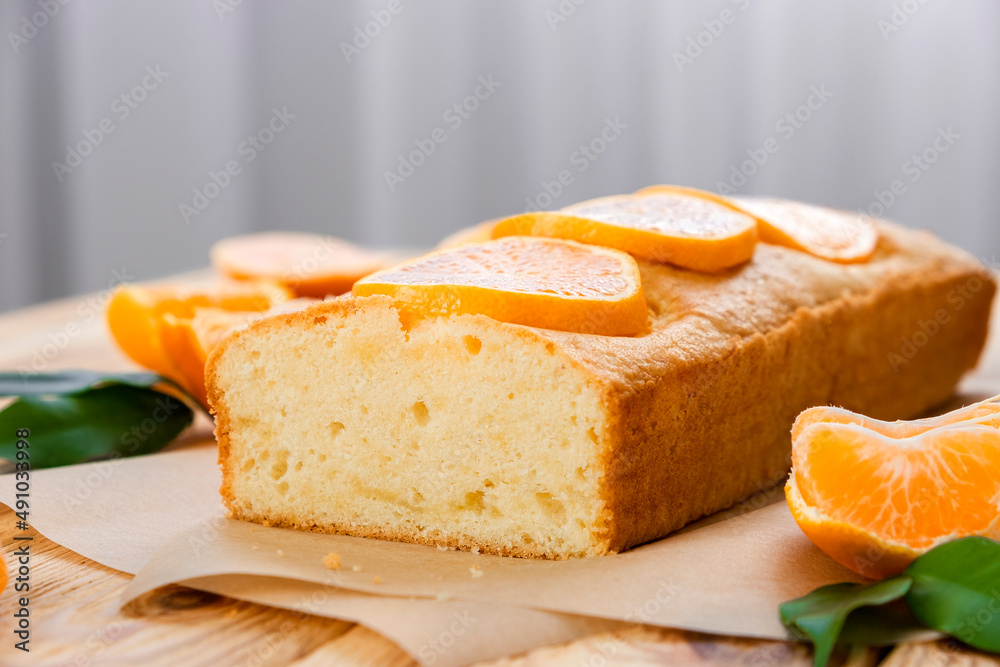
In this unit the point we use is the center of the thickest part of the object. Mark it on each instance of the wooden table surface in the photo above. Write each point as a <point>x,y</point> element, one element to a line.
<point>181,626</point>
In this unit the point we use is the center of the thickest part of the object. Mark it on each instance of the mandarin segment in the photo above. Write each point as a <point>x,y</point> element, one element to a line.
<point>540,282</point>
<point>675,226</point>
<point>903,487</point>
<point>838,236</point>
<point>310,265</point>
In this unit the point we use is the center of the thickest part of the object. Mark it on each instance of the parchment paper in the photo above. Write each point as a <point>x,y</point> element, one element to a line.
<point>119,513</point>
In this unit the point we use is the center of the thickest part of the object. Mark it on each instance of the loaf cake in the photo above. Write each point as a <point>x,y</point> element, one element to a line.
<point>467,432</point>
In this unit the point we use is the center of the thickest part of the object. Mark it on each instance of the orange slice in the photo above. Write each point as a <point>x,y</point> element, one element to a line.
<point>475,234</point>
<point>309,264</point>
<point>134,312</point>
<point>188,342</point>
<point>839,236</point>
<point>538,282</point>
<point>676,227</point>
<point>875,495</point>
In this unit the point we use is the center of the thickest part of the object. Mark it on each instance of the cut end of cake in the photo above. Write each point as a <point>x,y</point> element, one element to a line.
<point>318,431</point>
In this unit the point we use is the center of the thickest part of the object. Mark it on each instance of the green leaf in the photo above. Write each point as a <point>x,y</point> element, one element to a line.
<point>956,589</point>
<point>820,615</point>
<point>117,419</point>
<point>70,381</point>
<point>885,625</point>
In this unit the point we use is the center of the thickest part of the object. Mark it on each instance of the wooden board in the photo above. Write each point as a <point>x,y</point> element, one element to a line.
<point>180,626</point>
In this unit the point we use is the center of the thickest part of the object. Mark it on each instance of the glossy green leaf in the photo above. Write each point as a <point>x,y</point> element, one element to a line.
<point>956,589</point>
<point>70,381</point>
<point>116,420</point>
<point>820,616</point>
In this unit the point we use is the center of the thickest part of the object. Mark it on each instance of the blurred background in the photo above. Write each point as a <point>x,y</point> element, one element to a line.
<point>134,134</point>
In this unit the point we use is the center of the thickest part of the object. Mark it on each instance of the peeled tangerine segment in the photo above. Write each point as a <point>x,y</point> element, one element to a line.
<point>874,495</point>
<point>311,265</point>
<point>838,236</point>
<point>538,282</point>
<point>672,226</point>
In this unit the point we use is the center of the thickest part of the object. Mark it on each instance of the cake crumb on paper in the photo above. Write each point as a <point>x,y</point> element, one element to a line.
<point>476,572</point>
<point>376,579</point>
<point>281,554</point>
<point>356,568</point>
<point>475,550</point>
<point>331,561</point>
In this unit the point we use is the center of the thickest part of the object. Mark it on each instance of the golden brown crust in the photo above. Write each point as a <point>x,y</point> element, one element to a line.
<point>698,411</point>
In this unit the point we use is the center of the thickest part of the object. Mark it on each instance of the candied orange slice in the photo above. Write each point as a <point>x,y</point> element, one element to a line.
<point>148,321</point>
<point>538,282</point>
<point>669,226</point>
<point>838,236</point>
<point>309,264</point>
<point>875,495</point>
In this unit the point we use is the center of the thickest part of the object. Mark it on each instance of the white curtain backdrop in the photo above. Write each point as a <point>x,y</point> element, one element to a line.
<point>607,95</point>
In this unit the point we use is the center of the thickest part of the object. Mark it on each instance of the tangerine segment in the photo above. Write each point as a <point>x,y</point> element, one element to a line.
<point>904,487</point>
<point>134,312</point>
<point>985,412</point>
<point>538,282</point>
<point>853,548</point>
<point>310,264</point>
<point>676,227</point>
<point>838,236</point>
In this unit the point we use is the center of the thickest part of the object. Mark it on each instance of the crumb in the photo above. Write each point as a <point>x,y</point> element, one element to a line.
<point>331,561</point>
<point>442,547</point>
<point>255,547</point>
<point>267,524</point>
<point>356,568</point>
<point>376,580</point>
<point>253,529</point>
<point>476,572</point>
<point>475,550</point>
<point>281,553</point>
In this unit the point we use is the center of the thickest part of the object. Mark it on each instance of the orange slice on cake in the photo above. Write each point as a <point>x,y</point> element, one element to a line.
<point>539,282</point>
<point>669,225</point>
<point>310,265</point>
<point>875,495</point>
<point>838,236</point>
